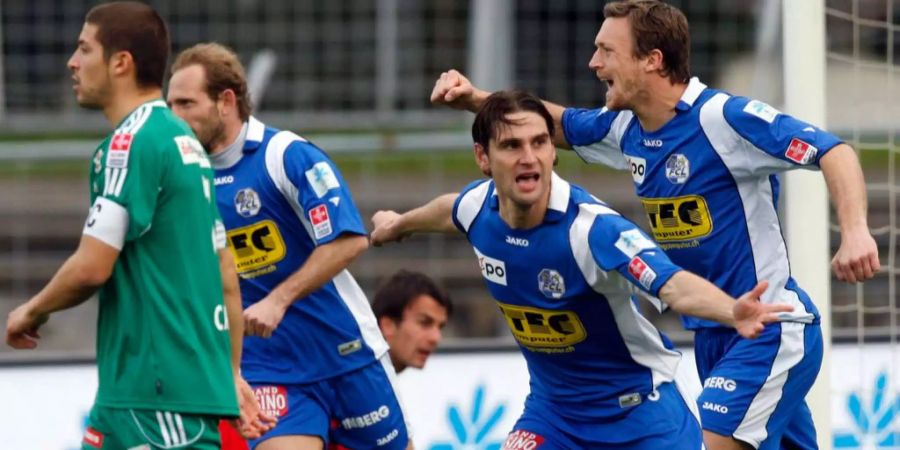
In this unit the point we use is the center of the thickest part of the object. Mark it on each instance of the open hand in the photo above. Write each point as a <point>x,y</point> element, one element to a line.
<point>751,316</point>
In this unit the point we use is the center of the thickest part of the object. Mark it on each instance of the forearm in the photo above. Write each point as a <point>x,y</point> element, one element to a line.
<point>846,186</point>
<point>232,294</point>
<point>435,216</point>
<point>556,112</point>
<point>691,295</point>
<point>72,284</point>
<point>323,264</point>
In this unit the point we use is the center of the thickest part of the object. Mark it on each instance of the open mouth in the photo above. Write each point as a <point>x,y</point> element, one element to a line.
<point>528,181</point>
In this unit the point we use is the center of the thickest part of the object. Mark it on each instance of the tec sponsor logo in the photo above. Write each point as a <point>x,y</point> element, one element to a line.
<point>542,328</point>
<point>492,269</point>
<point>678,218</point>
<point>641,272</point>
<point>638,168</point>
<point>522,440</point>
<point>715,407</point>
<point>726,384</point>
<point>257,246</point>
<point>801,152</point>
<point>366,420</point>
<point>272,400</point>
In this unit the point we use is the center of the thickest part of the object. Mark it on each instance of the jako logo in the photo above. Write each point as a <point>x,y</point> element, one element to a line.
<point>227,179</point>
<point>492,269</point>
<point>720,383</point>
<point>517,241</point>
<point>476,431</point>
<point>874,424</point>
<point>655,143</point>
<point>715,407</point>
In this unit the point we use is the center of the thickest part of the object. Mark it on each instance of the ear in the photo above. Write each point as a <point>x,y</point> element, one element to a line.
<point>654,61</point>
<point>388,327</point>
<point>227,102</point>
<point>482,159</point>
<point>120,64</point>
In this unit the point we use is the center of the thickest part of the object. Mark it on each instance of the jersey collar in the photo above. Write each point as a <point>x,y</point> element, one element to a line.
<point>694,88</point>
<point>255,132</point>
<point>560,191</point>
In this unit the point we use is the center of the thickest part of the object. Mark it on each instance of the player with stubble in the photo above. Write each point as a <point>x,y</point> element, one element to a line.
<point>153,248</point>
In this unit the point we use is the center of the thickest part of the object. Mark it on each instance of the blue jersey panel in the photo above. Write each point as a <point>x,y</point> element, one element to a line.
<point>278,202</point>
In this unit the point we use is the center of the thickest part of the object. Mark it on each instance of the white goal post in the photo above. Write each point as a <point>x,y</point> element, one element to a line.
<point>805,194</point>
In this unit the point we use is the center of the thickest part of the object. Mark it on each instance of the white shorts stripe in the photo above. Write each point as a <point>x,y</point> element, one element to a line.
<point>753,428</point>
<point>163,430</point>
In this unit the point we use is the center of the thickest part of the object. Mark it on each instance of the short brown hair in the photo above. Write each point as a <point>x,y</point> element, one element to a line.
<point>657,25</point>
<point>135,28</point>
<point>395,295</point>
<point>498,105</point>
<point>223,71</point>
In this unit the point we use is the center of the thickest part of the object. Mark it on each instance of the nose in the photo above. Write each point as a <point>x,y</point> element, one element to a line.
<point>71,63</point>
<point>528,155</point>
<point>596,61</point>
<point>435,336</point>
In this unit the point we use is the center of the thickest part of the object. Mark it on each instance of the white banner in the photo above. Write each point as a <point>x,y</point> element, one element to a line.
<point>459,401</point>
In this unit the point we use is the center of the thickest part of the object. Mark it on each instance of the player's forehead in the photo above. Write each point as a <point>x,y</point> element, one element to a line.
<point>188,81</point>
<point>426,306</point>
<point>88,34</point>
<point>520,125</point>
<point>614,31</point>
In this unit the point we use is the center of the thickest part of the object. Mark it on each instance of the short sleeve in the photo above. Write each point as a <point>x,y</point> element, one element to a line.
<point>132,173</point>
<point>618,244</point>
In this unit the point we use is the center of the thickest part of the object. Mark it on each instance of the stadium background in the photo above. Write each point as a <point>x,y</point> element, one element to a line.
<point>354,77</point>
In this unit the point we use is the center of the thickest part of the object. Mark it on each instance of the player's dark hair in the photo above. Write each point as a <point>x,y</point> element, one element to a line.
<point>494,111</point>
<point>395,294</point>
<point>223,71</point>
<point>657,25</point>
<point>135,28</point>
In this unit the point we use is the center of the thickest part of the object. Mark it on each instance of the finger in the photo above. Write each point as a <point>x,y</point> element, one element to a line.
<point>759,289</point>
<point>777,307</point>
<point>865,272</point>
<point>848,273</point>
<point>874,263</point>
<point>836,268</point>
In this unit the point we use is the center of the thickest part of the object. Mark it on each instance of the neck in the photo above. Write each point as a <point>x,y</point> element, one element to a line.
<point>124,104</point>
<point>523,217</point>
<point>658,103</point>
<point>232,130</point>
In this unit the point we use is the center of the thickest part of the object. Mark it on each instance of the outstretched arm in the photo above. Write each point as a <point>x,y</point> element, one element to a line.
<point>691,295</point>
<point>453,89</point>
<point>435,216</point>
<point>78,278</point>
<point>857,258</point>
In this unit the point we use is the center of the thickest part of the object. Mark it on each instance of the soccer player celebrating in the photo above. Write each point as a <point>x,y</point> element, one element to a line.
<point>154,247</point>
<point>563,268</point>
<point>314,351</point>
<point>704,165</point>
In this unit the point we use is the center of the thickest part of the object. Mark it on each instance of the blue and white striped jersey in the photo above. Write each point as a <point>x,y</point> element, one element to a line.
<point>279,200</point>
<point>707,180</point>
<point>565,289</point>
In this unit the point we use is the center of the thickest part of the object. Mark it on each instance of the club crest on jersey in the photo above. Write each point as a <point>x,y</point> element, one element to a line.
<point>641,272</point>
<point>321,223</point>
<point>551,283</point>
<point>321,178</point>
<point>119,146</point>
<point>678,168</point>
<point>801,152</point>
<point>247,203</point>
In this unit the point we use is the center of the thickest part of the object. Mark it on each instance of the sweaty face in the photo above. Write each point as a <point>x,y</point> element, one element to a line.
<point>188,99</point>
<point>418,333</point>
<point>614,63</point>
<point>520,160</point>
<point>90,73</point>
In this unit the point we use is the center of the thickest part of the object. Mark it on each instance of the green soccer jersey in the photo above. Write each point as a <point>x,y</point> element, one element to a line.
<point>162,338</point>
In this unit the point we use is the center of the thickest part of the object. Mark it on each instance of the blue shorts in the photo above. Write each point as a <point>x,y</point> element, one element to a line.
<point>663,420</point>
<point>754,390</point>
<point>362,402</point>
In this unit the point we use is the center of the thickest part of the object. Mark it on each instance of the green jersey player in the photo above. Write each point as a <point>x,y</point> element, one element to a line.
<point>153,246</point>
